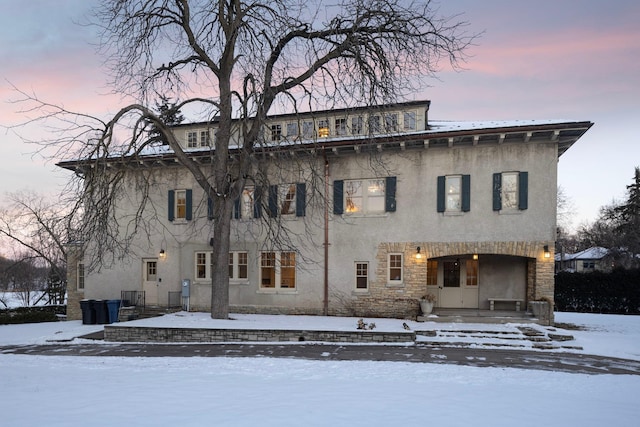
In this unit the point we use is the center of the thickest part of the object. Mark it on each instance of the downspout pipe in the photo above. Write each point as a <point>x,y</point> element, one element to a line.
<point>325,306</point>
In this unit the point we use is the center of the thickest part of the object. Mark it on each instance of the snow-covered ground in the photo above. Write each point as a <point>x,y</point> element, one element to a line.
<point>193,391</point>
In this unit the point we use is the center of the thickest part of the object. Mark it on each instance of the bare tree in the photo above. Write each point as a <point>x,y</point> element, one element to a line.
<point>39,230</point>
<point>246,58</point>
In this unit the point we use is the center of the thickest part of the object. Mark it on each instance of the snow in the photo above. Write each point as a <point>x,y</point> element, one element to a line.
<point>196,391</point>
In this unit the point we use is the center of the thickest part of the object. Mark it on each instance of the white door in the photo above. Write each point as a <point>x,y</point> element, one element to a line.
<point>150,281</point>
<point>459,285</point>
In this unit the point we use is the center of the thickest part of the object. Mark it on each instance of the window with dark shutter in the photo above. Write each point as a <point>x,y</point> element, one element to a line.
<point>390,194</point>
<point>523,190</point>
<point>440,204</point>
<point>301,199</point>
<point>338,194</point>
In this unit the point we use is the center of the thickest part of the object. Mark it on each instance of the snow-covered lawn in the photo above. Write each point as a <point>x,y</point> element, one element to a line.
<point>192,391</point>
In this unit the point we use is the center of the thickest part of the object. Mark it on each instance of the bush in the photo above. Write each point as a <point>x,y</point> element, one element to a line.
<point>48,313</point>
<point>617,292</point>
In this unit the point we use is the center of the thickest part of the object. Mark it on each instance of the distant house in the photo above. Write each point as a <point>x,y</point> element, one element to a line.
<point>463,210</point>
<point>586,261</point>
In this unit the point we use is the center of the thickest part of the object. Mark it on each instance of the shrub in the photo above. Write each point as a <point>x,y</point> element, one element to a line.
<point>48,313</point>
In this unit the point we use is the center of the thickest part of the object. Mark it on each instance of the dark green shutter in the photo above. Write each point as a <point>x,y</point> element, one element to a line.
<point>497,191</point>
<point>273,201</point>
<point>523,190</point>
<point>338,195</point>
<point>466,193</point>
<point>171,206</point>
<point>209,208</point>
<point>390,194</point>
<point>301,198</point>
<point>441,202</point>
<point>257,202</point>
<point>188,214</point>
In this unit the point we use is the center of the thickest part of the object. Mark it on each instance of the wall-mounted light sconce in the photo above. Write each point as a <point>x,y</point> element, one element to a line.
<point>475,256</point>
<point>162,254</point>
<point>547,254</point>
<point>418,254</point>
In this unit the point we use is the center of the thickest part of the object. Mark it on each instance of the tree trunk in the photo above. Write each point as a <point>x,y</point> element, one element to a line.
<point>220,260</point>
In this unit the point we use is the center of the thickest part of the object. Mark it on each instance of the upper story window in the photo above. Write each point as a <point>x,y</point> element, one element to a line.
<point>180,205</point>
<point>276,132</point>
<point>246,206</point>
<point>308,129</point>
<point>454,193</point>
<point>292,130</point>
<point>192,139</point>
<point>510,191</point>
<point>287,200</point>
<point>357,125</point>
<point>364,196</point>
<point>391,122</point>
<point>205,139</point>
<point>374,124</point>
<point>341,126</point>
<point>323,128</point>
<point>409,122</point>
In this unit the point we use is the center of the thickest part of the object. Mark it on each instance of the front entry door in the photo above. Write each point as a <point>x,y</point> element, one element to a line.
<point>150,281</point>
<point>459,286</point>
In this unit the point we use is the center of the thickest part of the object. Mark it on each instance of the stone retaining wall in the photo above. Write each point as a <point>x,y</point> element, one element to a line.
<point>187,335</point>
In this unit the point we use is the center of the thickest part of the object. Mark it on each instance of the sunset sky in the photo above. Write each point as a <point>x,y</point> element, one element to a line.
<point>548,59</point>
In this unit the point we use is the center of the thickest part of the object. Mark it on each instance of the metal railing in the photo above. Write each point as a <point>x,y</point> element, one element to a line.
<point>130,298</point>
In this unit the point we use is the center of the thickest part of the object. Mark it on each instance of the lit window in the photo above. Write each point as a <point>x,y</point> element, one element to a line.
<point>181,204</point>
<point>278,270</point>
<point>453,193</point>
<point>472,272</point>
<point>323,128</point>
<point>361,199</point>
<point>432,272</point>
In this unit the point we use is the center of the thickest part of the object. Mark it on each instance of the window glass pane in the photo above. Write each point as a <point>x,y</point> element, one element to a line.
<point>287,199</point>
<point>451,274</point>
<point>276,132</point>
<point>341,126</point>
<point>374,124</point>
<point>292,129</point>
<point>201,265</point>
<point>246,203</point>
<point>432,272</point>
<point>151,271</point>
<point>391,122</point>
<point>323,128</point>
<point>472,272</point>
<point>357,125</point>
<point>192,139</point>
<point>510,190</point>
<point>80,276</point>
<point>268,269</point>
<point>375,195</point>
<point>181,204</point>
<point>288,270</point>
<point>353,196</point>
<point>362,275</point>
<point>453,190</point>
<point>395,267</point>
<point>307,129</point>
<point>204,138</point>
<point>231,265</point>
<point>242,265</point>
<point>410,120</point>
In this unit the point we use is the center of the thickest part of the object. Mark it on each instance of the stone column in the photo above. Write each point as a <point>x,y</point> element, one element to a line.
<point>74,255</point>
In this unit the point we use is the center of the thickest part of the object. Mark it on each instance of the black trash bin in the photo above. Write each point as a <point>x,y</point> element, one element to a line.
<point>113,307</point>
<point>102,315</point>
<point>88,313</point>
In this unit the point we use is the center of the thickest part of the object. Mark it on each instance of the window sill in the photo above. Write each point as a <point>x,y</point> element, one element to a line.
<point>277,291</point>
<point>510,212</point>
<point>239,282</point>
<point>395,285</point>
<point>179,221</point>
<point>366,215</point>
<point>453,213</point>
<point>361,292</point>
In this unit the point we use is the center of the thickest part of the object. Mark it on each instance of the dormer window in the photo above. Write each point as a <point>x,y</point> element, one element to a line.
<point>323,128</point>
<point>276,132</point>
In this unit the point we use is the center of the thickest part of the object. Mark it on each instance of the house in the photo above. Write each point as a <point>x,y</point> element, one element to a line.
<point>382,206</point>
<point>586,261</point>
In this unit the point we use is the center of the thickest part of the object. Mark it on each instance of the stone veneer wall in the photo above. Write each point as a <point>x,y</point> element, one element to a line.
<point>401,301</point>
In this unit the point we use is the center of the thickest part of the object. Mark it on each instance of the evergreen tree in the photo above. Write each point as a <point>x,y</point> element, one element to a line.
<point>170,116</point>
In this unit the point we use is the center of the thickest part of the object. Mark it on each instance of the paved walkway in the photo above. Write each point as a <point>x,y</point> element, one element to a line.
<point>415,353</point>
